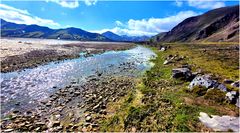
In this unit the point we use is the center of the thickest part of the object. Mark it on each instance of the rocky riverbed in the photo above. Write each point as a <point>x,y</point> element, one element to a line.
<point>72,108</point>
<point>70,95</point>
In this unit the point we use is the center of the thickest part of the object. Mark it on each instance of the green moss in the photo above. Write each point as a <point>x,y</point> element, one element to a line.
<point>215,95</point>
<point>199,90</point>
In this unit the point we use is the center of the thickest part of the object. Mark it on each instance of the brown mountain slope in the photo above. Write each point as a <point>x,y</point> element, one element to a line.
<point>220,24</point>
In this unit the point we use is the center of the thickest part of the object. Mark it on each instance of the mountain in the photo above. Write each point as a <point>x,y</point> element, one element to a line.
<point>9,29</point>
<point>220,24</point>
<point>113,36</point>
<point>125,38</point>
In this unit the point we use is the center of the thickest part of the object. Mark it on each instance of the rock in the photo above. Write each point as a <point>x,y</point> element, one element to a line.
<point>88,118</point>
<point>39,124</point>
<point>96,107</point>
<point>235,84</point>
<point>228,81</point>
<point>133,129</point>
<point>186,66</point>
<point>55,123</point>
<point>182,73</point>
<point>15,111</point>
<point>58,116</point>
<point>74,127</point>
<point>222,87</point>
<point>103,112</point>
<point>48,104</point>
<point>163,49</point>
<point>207,82</point>
<point>58,128</point>
<point>220,123</point>
<point>166,62</point>
<point>17,104</point>
<point>77,93</point>
<point>232,96</point>
<point>84,129</point>
<point>8,130</point>
<point>94,125</point>
<point>237,103</point>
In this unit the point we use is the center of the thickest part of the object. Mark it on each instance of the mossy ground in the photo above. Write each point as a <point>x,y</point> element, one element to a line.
<point>161,103</point>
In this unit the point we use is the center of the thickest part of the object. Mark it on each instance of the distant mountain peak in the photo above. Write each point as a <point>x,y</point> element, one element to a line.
<point>126,38</point>
<point>9,29</point>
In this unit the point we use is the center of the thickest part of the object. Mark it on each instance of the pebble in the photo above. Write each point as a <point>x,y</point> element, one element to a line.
<point>88,118</point>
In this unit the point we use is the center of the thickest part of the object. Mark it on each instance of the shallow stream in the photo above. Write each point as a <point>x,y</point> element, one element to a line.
<point>21,90</point>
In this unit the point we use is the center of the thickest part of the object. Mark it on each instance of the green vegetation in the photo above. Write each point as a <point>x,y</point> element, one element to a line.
<point>161,103</point>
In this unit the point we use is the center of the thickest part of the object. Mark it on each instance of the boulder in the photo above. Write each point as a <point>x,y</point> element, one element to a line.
<point>232,96</point>
<point>182,73</point>
<point>235,84</point>
<point>228,81</point>
<point>207,82</point>
<point>220,123</point>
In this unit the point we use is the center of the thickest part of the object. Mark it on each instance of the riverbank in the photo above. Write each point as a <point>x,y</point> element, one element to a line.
<point>20,53</point>
<point>160,102</point>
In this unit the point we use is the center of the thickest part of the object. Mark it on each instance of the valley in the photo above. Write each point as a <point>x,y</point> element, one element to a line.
<point>175,73</point>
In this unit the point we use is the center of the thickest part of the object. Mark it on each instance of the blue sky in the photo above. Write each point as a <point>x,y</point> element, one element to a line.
<point>122,17</point>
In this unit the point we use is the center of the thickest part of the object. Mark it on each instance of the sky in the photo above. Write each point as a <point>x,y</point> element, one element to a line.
<point>133,18</point>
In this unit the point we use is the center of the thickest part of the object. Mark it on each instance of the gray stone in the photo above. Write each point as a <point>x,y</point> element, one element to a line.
<point>228,81</point>
<point>237,103</point>
<point>182,73</point>
<point>77,93</point>
<point>207,82</point>
<point>220,123</point>
<point>88,118</point>
<point>163,49</point>
<point>166,62</point>
<point>235,84</point>
<point>8,130</point>
<point>48,104</point>
<point>232,96</point>
<point>40,124</point>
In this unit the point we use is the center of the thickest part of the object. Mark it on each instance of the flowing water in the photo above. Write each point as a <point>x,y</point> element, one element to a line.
<point>23,89</point>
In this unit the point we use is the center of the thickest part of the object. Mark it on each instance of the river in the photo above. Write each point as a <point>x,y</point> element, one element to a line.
<point>23,89</point>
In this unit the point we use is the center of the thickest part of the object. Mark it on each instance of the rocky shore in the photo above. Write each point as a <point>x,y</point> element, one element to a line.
<point>73,108</point>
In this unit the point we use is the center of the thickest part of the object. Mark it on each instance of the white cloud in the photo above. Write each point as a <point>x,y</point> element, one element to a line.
<point>206,4</point>
<point>19,16</point>
<point>6,7</point>
<point>90,2</point>
<point>72,3</point>
<point>66,3</point>
<point>151,26</point>
<point>119,23</point>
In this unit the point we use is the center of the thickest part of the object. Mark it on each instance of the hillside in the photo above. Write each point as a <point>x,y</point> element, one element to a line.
<point>9,29</point>
<point>125,38</point>
<point>220,24</point>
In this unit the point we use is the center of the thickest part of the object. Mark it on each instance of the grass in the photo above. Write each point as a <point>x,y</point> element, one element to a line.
<point>161,103</point>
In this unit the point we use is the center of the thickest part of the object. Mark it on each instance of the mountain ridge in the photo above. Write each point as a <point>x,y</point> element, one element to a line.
<point>9,29</point>
<point>220,24</point>
<point>126,38</point>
